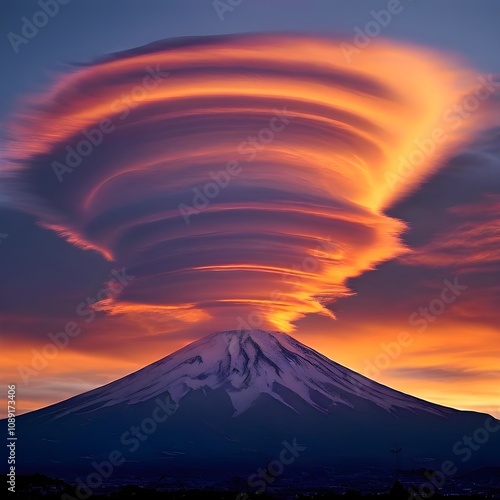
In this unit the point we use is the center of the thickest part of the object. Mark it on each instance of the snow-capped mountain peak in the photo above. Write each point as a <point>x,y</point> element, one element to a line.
<point>246,365</point>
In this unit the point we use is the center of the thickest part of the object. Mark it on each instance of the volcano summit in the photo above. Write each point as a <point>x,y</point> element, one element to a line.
<point>226,403</point>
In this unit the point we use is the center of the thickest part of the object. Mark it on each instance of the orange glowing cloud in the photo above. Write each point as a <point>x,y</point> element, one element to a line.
<point>471,243</point>
<point>242,178</point>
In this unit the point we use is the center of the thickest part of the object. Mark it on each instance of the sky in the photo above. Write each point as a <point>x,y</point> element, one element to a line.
<point>326,169</point>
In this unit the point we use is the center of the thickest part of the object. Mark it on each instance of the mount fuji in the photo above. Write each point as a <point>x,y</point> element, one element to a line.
<point>226,403</point>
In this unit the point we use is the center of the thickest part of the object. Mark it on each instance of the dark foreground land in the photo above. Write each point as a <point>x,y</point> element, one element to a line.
<point>38,486</point>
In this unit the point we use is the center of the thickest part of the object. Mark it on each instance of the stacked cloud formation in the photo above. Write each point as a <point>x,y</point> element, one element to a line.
<point>237,177</point>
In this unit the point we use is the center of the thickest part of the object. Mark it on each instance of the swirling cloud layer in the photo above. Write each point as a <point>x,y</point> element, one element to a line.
<point>237,173</point>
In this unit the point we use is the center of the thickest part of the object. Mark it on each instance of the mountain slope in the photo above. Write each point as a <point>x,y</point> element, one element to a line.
<point>246,365</point>
<point>235,398</point>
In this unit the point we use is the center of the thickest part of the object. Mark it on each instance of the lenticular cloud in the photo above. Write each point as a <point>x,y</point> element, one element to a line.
<point>236,176</point>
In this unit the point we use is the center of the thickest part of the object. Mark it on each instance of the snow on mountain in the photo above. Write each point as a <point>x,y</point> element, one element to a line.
<point>239,395</point>
<point>246,365</point>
